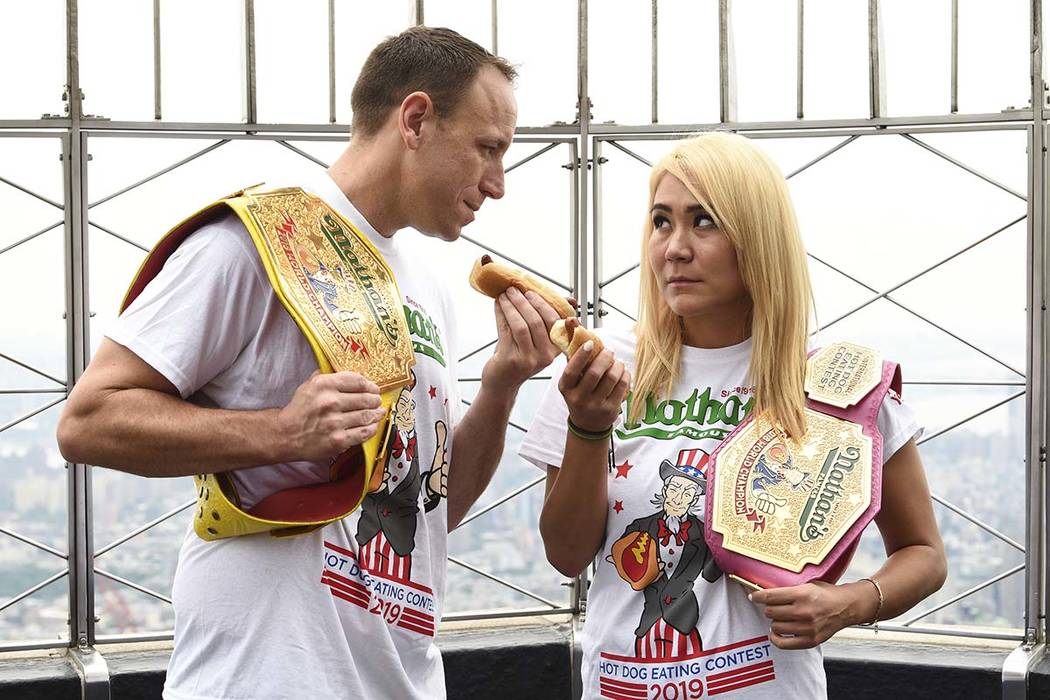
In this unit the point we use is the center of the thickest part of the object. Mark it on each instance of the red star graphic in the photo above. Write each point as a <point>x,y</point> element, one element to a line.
<point>433,392</point>
<point>618,506</point>
<point>622,469</point>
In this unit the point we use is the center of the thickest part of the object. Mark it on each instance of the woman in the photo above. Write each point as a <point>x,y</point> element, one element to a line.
<point>725,306</point>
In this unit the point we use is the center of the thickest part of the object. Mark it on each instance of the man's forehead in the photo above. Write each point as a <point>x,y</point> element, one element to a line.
<point>490,100</point>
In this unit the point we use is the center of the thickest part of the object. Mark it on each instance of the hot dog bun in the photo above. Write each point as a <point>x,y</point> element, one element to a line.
<point>570,336</point>
<point>493,278</point>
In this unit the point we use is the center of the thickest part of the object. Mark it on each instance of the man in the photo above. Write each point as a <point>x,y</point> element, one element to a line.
<point>206,372</point>
<point>667,627</point>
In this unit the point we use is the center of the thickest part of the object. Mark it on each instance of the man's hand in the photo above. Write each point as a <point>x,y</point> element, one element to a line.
<point>523,322</point>
<point>329,414</point>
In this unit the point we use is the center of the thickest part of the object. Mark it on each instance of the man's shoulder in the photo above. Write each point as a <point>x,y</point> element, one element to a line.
<point>222,245</point>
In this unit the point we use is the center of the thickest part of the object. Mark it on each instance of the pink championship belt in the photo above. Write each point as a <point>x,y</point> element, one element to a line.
<point>780,512</point>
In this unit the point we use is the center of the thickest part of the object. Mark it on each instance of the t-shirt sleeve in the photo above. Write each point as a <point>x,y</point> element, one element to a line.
<point>194,318</point>
<point>898,424</point>
<point>544,444</point>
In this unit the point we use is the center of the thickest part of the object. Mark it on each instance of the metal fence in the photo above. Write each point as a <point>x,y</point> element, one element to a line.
<point>576,159</point>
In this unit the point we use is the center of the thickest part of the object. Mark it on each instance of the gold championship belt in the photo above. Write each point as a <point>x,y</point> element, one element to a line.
<point>343,297</point>
<point>780,512</point>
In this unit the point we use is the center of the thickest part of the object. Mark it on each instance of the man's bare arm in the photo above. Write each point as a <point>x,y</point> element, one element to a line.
<point>125,415</point>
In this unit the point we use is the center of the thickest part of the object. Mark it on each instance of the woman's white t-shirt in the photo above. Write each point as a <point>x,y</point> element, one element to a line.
<point>693,632</point>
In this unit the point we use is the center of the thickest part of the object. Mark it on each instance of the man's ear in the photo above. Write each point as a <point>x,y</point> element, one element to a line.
<point>415,110</point>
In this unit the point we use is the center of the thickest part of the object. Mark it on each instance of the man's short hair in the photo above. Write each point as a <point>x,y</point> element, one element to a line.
<point>434,60</point>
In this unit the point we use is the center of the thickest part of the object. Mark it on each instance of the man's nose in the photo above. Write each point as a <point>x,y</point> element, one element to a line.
<point>492,185</point>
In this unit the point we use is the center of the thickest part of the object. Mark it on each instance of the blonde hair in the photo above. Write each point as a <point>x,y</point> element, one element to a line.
<point>748,199</point>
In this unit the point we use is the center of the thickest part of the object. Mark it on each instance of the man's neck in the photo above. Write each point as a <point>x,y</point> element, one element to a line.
<point>372,184</point>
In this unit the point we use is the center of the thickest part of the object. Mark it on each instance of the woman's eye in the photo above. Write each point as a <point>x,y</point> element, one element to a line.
<point>703,221</point>
<point>659,222</point>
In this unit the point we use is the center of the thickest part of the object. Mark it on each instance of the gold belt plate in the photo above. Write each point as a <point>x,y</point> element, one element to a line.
<point>842,374</point>
<point>789,504</point>
<point>342,288</point>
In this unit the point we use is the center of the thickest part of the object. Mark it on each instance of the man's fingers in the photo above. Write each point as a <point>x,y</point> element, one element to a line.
<point>349,382</point>
<point>517,328</point>
<point>546,312</point>
<point>357,436</point>
<point>357,419</point>
<point>345,403</point>
<point>538,327</point>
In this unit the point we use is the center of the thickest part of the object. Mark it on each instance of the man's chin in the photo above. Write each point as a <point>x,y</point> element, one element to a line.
<point>445,233</point>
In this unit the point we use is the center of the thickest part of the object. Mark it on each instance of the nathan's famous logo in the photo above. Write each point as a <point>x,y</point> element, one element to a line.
<point>813,522</point>
<point>426,338</point>
<point>693,417</point>
<point>376,302</point>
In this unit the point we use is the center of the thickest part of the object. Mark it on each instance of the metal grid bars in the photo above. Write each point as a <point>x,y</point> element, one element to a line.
<point>587,143</point>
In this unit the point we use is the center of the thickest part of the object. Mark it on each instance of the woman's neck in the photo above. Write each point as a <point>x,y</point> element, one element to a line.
<point>717,330</point>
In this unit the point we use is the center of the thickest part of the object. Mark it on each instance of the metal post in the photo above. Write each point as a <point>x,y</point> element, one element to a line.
<point>418,18</point>
<point>89,664</point>
<point>1036,574</point>
<point>596,252</point>
<point>655,60</point>
<point>156,60</point>
<point>495,27</point>
<point>726,66</point>
<point>331,61</point>
<point>955,57</point>
<point>799,68</point>
<point>81,597</point>
<point>251,106</point>
<point>583,102</point>
<point>876,84</point>
<point>1017,665</point>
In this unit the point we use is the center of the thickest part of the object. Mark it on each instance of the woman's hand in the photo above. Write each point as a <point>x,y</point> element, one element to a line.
<point>807,615</point>
<point>594,388</point>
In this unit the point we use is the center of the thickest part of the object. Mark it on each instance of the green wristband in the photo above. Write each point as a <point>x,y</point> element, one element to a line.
<point>591,435</point>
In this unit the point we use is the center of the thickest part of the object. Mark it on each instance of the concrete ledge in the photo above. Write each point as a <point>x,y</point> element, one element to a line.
<point>1039,679</point>
<point>866,669</point>
<point>514,663</point>
<point>532,661</point>
<point>38,677</point>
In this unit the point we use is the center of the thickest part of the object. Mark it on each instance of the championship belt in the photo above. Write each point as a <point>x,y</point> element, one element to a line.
<point>343,297</point>
<point>781,513</point>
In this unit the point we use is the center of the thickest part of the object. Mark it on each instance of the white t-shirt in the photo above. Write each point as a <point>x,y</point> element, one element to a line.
<point>692,632</point>
<point>348,611</point>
